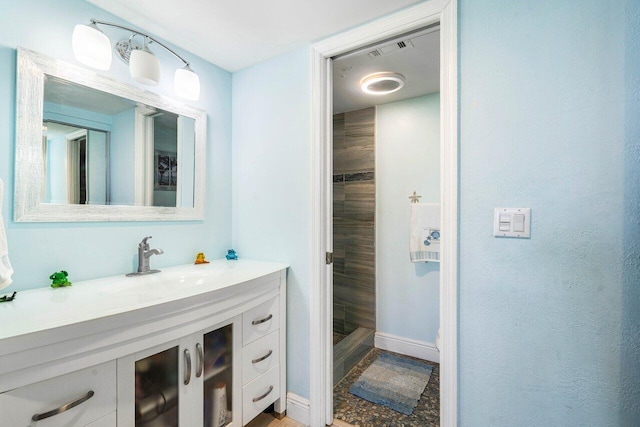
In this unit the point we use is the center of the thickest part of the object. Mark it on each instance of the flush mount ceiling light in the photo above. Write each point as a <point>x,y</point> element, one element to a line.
<point>93,48</point>
<point>382,83</point>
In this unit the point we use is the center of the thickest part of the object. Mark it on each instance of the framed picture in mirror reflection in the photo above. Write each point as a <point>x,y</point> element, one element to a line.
<point>166,171</point>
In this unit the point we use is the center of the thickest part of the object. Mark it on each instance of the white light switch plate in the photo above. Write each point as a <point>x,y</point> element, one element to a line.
<point>507,220</point>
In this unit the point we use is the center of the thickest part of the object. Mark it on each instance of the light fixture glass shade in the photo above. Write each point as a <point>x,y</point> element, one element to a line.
<point>187,84</point>
<point>382,83</point>
<point>144,67</point>
<point>91,46</point>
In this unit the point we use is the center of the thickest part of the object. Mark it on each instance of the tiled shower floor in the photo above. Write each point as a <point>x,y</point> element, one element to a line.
<point>363,413</point>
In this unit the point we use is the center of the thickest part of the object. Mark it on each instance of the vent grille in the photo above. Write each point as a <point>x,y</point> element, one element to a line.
<point>392,47</point>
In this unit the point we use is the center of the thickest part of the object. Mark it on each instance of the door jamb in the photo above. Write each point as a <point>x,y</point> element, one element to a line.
<point>411,18</point>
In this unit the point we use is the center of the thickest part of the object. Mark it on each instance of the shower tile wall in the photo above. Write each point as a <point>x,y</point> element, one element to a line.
<point>353,220</point>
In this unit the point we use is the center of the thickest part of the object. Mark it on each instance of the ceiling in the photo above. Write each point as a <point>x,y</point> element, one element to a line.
<point>418,61</point>
<point>237,34</point>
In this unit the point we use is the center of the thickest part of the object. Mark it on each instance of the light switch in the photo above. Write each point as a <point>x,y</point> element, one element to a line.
<point>512,222</point>
<point>518,223</point>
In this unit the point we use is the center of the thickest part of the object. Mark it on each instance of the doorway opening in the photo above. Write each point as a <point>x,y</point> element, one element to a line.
<point>321,308</point>
<point>386,145</point>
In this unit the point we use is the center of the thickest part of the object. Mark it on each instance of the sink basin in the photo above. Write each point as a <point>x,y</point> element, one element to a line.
<point>156,286</point>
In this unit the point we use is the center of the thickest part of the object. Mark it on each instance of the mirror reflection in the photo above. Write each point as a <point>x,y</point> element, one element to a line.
<point>102,149</point>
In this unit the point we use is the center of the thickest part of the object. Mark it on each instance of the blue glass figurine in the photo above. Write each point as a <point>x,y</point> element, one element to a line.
<point>231,255</point>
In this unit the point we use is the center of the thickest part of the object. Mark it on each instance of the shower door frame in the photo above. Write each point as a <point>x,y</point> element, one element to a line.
<point>321,310</point>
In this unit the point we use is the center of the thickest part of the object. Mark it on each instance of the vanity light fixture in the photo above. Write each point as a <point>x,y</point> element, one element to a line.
<point>382,83</point>
<point>93,48</point>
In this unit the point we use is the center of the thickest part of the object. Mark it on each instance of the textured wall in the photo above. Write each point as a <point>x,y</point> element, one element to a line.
<point>354,187</point>
<point>549,120</point>
<point>271,184</point>
<point>630,314</point>
<point>91,250</point>
<point>407,160</point>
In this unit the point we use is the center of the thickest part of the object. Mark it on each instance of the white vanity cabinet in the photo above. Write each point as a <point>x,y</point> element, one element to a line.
<point>201,346</point>
<point>173,383</point>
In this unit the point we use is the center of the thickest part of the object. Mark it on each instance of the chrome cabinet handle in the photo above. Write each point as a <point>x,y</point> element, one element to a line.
<point>63,408</point>
<point>200,355</point>
<point>266,319</point>
<point>256,399</point>
<point>187,366</point>
<point>260,359</point>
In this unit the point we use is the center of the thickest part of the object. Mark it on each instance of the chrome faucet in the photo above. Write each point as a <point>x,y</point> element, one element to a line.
<point>144,253</point>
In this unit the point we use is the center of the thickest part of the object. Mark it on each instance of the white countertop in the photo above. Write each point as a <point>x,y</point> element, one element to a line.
<point>40,309</point>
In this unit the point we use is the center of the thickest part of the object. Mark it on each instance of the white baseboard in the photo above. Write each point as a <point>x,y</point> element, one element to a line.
<point>407,346</point>
<point>298,408</point>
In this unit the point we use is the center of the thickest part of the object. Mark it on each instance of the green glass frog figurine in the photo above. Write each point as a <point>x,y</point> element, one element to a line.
<point>60,279</point>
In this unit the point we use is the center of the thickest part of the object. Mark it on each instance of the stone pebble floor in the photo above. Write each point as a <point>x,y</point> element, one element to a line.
<point>362,413</point>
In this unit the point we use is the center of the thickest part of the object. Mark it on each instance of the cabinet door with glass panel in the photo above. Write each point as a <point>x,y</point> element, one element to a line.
<point>191,381</point>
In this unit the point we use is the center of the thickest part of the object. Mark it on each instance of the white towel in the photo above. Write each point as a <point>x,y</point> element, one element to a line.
<point>424,240</point>
<point>6,271</point>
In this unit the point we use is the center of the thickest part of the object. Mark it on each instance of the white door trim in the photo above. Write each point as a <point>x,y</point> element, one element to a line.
<point>421,15</point>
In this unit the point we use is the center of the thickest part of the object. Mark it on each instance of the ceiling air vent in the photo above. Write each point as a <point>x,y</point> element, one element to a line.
<point>391,47</point>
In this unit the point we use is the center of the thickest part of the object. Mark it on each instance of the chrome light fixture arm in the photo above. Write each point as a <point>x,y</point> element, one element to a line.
<point>122,27</point>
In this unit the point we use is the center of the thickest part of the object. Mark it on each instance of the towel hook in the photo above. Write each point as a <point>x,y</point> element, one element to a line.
<point>414,197</point>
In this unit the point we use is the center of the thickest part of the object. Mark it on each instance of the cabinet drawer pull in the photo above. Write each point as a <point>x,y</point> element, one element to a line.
<point>187,366</point>
<point>266,319</point>
<point>260,359</point>
<point>63,408</point>
<point>256,399</point>
<point>200,355</point>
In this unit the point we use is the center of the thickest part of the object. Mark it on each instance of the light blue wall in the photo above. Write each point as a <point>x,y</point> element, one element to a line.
<point>121,153</point>
<point>97,167</point>
<point>630,313</point>
<point>407,160</point>
<point>549,326</point>
<point>91,250</point>
<point>271,185</point>
<point>56,185</point>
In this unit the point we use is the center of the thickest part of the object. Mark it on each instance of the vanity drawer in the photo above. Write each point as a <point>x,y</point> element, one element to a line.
<point>260,393</point>
<point>260,356</point>
<point>260,320</point>
<point>93,389</point>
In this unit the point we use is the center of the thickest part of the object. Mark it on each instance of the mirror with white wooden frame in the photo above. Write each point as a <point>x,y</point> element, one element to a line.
<point>90,148</point>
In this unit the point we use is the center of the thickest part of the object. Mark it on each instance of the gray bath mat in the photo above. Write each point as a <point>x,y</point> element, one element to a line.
<point>394,382</point>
